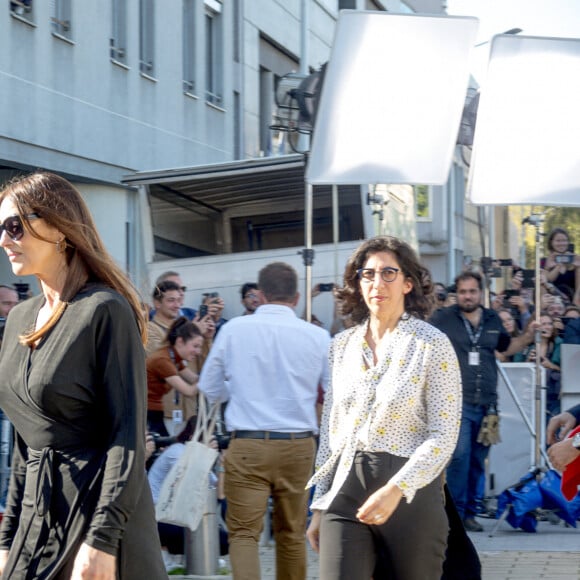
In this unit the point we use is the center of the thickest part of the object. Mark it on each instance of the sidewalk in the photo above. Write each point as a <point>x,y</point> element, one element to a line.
<point>552,553</point>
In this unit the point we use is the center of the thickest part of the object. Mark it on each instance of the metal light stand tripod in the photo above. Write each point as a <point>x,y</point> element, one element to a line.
<point>537,469</point>
<point>537,220</point>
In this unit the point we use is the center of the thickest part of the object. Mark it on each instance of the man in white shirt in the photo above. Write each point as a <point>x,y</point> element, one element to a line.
<point>268,366</point>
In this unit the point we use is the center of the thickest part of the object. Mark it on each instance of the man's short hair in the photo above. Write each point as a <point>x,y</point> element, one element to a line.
<point>464,276</point>
<point>163,287</point>
<point>165,275</point>
<point>279,282</point>
<point>247,287</point>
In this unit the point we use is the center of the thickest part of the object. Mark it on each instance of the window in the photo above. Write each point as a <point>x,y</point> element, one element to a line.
<point>213,51</point>
<point>22,8</point>
<point>423,202</point>
<point>189,46</point>
<point>119,30</point>
<point>61,17</point>
<point>146,37</point>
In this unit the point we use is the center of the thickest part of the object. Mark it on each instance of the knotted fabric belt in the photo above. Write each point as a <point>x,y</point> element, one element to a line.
<point>270,435</point>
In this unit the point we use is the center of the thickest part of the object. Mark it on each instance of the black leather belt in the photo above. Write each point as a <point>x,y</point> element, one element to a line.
<point>270,435</point>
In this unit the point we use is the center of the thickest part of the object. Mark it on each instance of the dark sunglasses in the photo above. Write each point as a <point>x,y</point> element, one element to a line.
<point>13,225</point>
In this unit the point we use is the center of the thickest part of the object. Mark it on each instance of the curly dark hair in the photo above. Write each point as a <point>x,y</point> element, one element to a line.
<point>419,301</point>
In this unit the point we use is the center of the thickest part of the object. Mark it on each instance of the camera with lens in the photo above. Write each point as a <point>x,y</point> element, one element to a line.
<point>161,442</point>
<point>222,436</point>
<point>223,440</point>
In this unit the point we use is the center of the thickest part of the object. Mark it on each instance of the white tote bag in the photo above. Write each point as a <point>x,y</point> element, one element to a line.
<point>183,494</point>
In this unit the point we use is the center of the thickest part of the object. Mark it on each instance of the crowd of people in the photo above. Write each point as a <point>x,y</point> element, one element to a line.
<point>559,301</point>
<point>408,387</point>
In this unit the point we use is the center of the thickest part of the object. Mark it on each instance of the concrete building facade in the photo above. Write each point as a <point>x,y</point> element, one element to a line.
<point>97,90</point>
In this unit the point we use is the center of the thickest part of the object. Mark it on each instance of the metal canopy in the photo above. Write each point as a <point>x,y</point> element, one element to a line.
<point>267,193</point>
<point>211,189</point>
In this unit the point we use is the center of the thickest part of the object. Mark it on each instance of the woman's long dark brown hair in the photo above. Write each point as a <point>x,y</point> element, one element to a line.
<point>61,206</point>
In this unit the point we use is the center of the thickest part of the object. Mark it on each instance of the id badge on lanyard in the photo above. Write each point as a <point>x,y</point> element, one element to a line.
<point>473,358</point>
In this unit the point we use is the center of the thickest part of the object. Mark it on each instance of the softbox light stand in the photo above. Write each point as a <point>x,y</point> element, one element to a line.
<point>537,220</point>
<point>538,468</point>
<point>524,150</point>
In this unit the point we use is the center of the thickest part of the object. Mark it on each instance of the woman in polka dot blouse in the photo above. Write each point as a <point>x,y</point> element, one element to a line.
<point>389,426</point>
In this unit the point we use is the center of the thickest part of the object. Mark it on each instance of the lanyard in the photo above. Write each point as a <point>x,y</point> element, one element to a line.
<point>176,392</point>
<point>473,337</point>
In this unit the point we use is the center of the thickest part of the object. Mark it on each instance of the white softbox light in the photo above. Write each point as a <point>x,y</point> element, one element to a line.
<point>528,124</point>
<point>392,99</point>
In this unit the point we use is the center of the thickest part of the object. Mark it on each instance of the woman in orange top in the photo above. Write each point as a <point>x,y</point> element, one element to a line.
<point>167,369</point>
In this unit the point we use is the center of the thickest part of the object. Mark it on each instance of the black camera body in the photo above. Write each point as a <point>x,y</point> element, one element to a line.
<point>161,443</point>
<point>223,440</point>
<point>564,259</point>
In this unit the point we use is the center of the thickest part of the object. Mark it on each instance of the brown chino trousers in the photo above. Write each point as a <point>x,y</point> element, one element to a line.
<point>255,470</point>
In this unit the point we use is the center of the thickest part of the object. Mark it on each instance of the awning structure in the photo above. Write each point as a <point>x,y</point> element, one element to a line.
<point>239,206</point>
<point>224,186</point>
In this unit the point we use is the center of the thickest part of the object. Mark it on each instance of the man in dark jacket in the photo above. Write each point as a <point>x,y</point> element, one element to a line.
<point>476,333</point>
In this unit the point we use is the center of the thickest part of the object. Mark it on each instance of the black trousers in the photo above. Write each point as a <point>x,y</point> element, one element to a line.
<point>411,544</point>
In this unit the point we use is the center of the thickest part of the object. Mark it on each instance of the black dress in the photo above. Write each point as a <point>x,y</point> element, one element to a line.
<point>77,403</point>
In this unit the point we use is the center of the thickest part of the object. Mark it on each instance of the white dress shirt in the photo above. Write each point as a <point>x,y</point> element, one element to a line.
<point>268,366</point>
<point>408,404</point>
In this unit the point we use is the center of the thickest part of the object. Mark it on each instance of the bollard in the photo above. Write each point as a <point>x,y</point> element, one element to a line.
<point>202,545</point>
<point>267,526</point>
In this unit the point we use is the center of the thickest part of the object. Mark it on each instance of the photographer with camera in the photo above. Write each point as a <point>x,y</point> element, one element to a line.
<point>168,452</point>
<point>476,333</point>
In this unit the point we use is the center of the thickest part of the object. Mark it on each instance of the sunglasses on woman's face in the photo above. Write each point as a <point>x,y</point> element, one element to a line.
<point>13,226</point>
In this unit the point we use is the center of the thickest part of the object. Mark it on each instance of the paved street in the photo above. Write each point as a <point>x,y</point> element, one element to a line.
<point>552,553</point>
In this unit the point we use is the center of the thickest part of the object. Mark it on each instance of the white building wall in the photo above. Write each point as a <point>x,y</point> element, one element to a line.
<point>70,109</point>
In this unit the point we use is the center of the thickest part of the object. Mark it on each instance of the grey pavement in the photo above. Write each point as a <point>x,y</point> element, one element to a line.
<point>553,552</point>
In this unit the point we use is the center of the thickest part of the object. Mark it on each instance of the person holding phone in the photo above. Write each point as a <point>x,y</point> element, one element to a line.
<point>562,265</point>
<point>549,354</point>
<point>215,306</point>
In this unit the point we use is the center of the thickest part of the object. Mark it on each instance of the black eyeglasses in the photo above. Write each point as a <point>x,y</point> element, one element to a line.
<point>368,274</point>
<point>13,226</point>
<point>183,288</point>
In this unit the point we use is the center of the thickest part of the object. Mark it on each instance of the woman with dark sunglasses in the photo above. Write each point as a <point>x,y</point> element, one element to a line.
<point>389,425</point>
<point>73,371</point>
